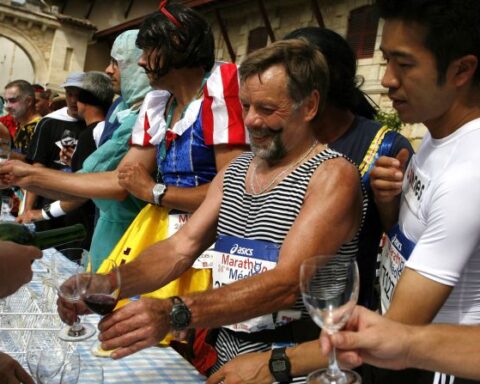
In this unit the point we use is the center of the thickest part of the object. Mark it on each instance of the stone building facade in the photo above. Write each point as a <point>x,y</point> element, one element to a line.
<point>71,35</point>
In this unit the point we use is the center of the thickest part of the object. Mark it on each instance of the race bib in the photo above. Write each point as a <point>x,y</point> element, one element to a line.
<point>177,221</point>
<point>235,259</point>
<point>395,253</point>
<point>415,185</point>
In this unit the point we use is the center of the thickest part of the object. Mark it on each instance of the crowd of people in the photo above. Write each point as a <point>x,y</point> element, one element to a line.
<point>273,162</point>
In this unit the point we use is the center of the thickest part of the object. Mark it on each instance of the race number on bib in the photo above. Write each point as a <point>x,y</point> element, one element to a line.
<point>395,253</point>
<point>236,259</point>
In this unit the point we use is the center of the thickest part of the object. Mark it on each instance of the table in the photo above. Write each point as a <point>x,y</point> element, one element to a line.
<point>33,309</point>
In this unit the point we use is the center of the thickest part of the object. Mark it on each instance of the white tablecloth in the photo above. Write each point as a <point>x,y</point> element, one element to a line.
<point>32,309</point>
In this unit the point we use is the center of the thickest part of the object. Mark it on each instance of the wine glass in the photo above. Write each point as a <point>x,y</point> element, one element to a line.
<point>38,342</point>
<point>68,140</point>
<point>5,149</point>
<point>54,362</point>
<point>71,369</point>
<point>100,291</point>
<point>67,289</point>
<point>330,291</point>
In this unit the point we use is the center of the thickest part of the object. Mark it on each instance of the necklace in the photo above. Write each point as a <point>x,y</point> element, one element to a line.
<point>279,175</point>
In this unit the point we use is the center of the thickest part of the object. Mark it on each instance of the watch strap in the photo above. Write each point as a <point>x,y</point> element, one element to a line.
<point>279,366</point>
<point>157,196</point>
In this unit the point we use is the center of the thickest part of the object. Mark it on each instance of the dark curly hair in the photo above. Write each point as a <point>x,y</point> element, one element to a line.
<point>452,27</point>
<point>343,89</point>
<point>190,45</point>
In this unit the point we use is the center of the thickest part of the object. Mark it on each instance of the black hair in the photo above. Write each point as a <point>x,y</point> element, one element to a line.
<point>343,90</point>
<point>189,45</point>
<point>452,27</point>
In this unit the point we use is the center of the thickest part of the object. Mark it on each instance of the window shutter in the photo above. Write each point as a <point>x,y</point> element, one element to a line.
<point>362,31</point>
<point>257,38</point>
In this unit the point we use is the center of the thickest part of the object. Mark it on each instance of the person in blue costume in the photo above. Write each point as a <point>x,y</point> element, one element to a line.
<point>97,179</point>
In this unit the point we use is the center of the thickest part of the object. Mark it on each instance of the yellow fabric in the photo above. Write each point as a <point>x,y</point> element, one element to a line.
<point>149,227</point>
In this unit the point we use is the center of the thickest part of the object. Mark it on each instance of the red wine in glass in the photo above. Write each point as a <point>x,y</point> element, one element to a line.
<point>100,303</point>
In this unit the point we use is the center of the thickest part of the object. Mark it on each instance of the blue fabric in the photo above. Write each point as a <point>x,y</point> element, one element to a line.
<point>111,121</point>
<point>189,162</point>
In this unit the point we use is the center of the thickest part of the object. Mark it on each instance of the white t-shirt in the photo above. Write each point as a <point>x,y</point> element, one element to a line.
<point>440,212</point>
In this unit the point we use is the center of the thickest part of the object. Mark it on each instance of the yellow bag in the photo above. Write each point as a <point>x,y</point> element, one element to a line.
<point>149,227</point>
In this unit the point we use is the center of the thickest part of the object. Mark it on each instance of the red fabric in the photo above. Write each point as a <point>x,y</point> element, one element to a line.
<point>10,123</point>
<point>230,108</point>
<point>169,137</point>
<point>168,15</point>
<point>146,127</point>
<point>234,108</point>
<point>205,355</point>
<point>207,117</point>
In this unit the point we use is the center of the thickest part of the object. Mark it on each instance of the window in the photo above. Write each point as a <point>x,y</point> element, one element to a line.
<point>362,31</point>
<point>68,59</point>
<point>257,38</point>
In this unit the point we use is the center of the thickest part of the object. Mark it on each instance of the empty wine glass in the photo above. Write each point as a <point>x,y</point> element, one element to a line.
<point>5,149</point>
<point>39,341</point>
<point>67,289</point>
<point>71,369</point>
<point>330,291</point>
<point>50,362</point>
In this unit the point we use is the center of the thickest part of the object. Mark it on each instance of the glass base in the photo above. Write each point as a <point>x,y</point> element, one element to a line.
<point>322,377</point>
<point>98,351</point>
<point>66,333</point>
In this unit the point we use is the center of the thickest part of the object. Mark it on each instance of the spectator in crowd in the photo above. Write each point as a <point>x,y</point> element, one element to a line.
<point>98,177</point>
<point>95,95</point>
<point>58,102</point>
<point>44,150</point>
<point>285,177</point>
<point>42,99</point>
<point>20,103</point>
<point>15,270</point>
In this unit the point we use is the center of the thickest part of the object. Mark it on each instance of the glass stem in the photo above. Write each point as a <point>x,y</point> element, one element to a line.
<point>333,371</point>
<point>76,326</point>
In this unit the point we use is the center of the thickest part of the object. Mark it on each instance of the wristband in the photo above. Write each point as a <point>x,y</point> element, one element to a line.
<point>45,215</point>
<point>56,209</point>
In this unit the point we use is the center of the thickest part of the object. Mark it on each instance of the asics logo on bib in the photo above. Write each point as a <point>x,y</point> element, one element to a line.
<point>242,251</point>
<point>397,243</point>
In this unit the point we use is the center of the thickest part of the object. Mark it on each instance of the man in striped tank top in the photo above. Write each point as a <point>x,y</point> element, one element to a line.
<point>263,211</point>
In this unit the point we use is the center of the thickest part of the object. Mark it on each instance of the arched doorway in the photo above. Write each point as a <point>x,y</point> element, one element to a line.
<point>14,63</point>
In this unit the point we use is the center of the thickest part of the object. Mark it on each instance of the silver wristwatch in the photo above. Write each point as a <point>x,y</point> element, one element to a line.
<point>158,192</point>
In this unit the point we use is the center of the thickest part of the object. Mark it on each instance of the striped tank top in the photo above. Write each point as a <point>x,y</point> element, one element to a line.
<point>268,217</point>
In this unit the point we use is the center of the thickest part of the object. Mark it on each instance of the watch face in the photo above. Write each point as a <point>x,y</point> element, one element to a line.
<point>278,365</point>
<point>180,316</point>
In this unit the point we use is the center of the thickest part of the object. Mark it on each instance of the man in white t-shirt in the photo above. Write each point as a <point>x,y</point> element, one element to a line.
<point>430,268</point>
